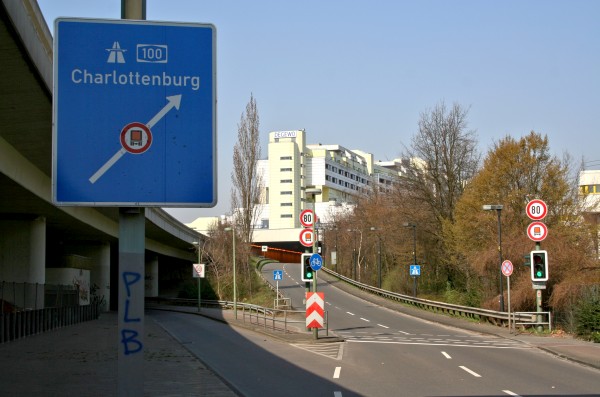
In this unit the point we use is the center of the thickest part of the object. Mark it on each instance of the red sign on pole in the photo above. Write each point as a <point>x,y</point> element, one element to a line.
<point>306,237</point>
<point>307,218</point>
<point>315,309</point>
<point>507,268</point>
<point>537,231</point>
<point>536,210</point>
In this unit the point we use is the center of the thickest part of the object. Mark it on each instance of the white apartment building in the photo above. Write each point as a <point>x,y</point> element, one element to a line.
<point>293,166</point>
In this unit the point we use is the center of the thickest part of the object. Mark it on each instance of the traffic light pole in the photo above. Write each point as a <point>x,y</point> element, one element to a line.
<point>315,331</point>
<point>538,296</point>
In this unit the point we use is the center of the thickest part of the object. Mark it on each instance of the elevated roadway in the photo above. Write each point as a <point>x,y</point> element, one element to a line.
<point>36,235</point>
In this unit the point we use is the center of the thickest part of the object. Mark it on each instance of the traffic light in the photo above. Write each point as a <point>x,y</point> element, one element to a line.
<point>308,273</point>
<point>539,265</point>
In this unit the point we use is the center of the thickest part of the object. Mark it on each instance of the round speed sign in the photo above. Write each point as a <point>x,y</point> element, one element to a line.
<point>307,218</point>
<point>536,210</point>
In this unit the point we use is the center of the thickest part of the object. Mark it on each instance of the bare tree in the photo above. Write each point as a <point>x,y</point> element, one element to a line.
<point>247,183</point>
<point>444,157</point>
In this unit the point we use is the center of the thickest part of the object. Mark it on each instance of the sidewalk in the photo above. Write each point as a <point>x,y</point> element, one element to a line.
<point>81,360</point>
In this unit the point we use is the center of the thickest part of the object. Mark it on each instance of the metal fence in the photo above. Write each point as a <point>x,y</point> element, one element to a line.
<point>32,308</point>
<point>486,315</point>
<point>264,317</point>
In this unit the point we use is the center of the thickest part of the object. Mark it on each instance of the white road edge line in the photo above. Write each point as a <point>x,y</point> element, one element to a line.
<point>382,326</point>
<point>475,374</point>
<point>352,314</point>
<point>405,333</point>
<point>447,355</point>
<point>364,319</point>
<point>336,373</point>
<point>510,393</point>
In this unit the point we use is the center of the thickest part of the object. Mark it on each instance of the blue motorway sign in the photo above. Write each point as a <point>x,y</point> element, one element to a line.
<point>134,111</point>
<point>415,270</point>
<point>316,262</point>
<point>277,275</point>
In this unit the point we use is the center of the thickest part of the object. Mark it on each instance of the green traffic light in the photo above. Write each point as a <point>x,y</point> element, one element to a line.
<point>308,275</point>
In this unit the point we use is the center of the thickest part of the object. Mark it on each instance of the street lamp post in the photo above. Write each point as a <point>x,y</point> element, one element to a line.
<point>232,229</point>
<point>414,228</point>
<point>354,259</point>
<point>378,257</point>
<point>197,244</point>
<point>498,209</point>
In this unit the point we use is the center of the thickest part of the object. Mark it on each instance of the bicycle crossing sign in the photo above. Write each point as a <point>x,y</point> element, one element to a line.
<point>415,270</point>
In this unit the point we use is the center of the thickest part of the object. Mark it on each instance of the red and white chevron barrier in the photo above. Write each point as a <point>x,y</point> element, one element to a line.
<point>315,309</point>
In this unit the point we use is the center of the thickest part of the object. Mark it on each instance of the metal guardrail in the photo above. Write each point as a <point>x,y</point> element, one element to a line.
<point>490,316</point>
<point>275,319</point>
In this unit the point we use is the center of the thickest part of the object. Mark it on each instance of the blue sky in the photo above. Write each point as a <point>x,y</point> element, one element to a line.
<point>359,73</point>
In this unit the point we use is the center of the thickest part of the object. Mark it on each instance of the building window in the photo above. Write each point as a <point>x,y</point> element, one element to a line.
<point>285,181</point>
<point>287,192</point>
<point>285,158</point>
<point>286,215</point>
<point>285,169</point>
<point>286,204</point>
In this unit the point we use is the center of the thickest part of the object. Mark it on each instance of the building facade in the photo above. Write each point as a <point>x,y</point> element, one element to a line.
<point>341,175</point>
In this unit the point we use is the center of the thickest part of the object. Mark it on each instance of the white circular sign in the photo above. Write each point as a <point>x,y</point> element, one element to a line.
<point>307,218</point>
<point>306,237</point>
<point>536,210</point>
<point>507,268</point>
<point>537,231</point>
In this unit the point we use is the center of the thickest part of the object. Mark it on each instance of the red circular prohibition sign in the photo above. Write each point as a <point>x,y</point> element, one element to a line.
<point>133,139</point>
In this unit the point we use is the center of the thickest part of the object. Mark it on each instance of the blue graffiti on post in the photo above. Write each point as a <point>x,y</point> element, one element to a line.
<point>129,337</point>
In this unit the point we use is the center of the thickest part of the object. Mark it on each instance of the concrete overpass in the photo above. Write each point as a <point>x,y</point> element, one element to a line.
<point>39,242</point>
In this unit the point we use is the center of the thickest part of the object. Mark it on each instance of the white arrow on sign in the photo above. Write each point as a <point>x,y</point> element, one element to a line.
<point>174,102</point>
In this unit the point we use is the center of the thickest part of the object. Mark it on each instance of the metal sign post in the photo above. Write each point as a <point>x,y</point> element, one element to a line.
<point>507,269</point>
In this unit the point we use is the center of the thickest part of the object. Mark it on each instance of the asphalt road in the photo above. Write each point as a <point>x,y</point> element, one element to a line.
<point>385,353</point>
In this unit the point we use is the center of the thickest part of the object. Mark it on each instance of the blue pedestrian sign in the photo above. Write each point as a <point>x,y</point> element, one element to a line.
<point>415,270</point>
<point>134,113</point>
<point>277,275</point>
<point>316,262</point>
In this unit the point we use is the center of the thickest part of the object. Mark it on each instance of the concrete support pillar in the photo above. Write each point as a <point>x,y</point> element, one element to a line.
<point>23,261</point>
<point>151,282</point>
<point>100,275</point>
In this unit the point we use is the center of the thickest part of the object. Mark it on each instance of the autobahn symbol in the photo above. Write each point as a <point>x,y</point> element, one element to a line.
<point>277,275</point>
<point>415,270</point>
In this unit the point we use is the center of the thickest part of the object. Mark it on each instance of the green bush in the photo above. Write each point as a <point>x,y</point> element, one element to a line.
<point>587,315</point>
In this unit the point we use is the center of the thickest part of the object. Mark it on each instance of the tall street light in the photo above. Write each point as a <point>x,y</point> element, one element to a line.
<point>498,209</point>
<point>354,259</point>
<point>378,258</point>
<point>232,229</point>
<point>197,244</point>
<point>414,228</point>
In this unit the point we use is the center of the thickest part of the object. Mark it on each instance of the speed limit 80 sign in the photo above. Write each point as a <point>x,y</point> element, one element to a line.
<point>307,218</point>
<point>537,210</point>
